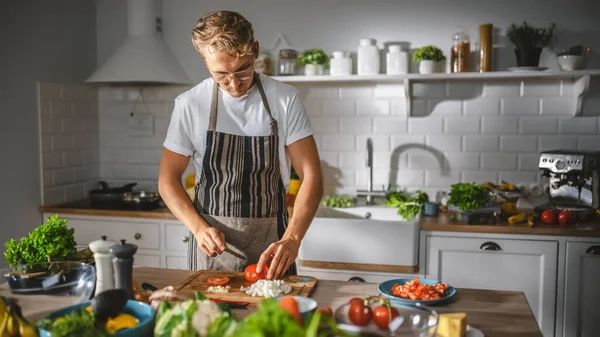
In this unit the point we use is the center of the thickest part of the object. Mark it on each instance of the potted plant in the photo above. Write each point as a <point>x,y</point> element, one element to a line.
<point>314,61</point>
<point>529,42</point>
<point>428,58</point>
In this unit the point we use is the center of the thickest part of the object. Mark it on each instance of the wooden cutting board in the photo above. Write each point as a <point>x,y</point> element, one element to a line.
<point>301,285</point>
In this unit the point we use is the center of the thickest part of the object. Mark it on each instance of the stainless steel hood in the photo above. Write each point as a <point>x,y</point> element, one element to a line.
<point>143,58</point>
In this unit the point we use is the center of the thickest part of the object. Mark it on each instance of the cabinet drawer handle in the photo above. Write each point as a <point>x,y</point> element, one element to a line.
<point>594,250</point>
<point>489,246</point>
<point>137,236</point>
<point>185,239</point>
<point>356,279</point>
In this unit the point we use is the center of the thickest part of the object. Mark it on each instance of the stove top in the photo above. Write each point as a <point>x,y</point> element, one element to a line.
<point>111,205</point>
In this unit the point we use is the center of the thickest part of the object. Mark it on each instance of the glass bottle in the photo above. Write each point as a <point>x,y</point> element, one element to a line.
<point>459,55</point>
<point>287,61</point>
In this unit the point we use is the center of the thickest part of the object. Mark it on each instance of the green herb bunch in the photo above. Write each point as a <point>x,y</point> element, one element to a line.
<point>408,206</point>
<point>430,53</point>
<point>52,240</point>
<point>469,196</point>
<point>314,56</point>
<point>339,201</point>
<point>526,36</point>
<point>81,323</point>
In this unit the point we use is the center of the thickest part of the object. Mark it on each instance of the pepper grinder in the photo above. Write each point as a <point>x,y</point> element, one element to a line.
<point>123,265</point>
<point>104,267</point>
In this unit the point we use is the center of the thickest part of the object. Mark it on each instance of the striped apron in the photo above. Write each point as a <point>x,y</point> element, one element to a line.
<point>240,193</point>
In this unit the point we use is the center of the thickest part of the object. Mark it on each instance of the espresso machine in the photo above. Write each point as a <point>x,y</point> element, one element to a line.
<point>573,180</point>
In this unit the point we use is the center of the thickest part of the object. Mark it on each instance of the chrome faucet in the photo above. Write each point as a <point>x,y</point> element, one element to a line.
<point>369,194</point>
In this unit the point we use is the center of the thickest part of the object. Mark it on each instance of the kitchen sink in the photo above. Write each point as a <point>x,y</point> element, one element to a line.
<point>363,234</point>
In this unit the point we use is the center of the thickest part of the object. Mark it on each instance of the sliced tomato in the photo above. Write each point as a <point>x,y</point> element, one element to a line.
<point>218,281</point>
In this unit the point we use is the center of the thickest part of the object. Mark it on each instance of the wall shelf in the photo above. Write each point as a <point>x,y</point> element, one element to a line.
<point>579,78</point>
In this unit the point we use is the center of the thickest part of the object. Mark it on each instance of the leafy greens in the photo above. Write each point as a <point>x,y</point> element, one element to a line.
<point>469,196</point>
<point>408,206</point>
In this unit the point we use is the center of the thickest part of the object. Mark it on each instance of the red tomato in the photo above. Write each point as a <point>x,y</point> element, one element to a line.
<point>289,199</point>
<point>549,217</point>
<point>381,316</point>
<point>217,281</point>
<point>251,275</point>
<point>360,314</point>
<point>326,311</point>
<point>566,217</point>
<point>356,300</point>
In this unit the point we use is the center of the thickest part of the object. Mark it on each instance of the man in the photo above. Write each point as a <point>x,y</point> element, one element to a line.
<point>239,128</point>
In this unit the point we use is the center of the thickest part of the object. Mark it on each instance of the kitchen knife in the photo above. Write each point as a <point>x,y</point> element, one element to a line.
<point>239,256</point>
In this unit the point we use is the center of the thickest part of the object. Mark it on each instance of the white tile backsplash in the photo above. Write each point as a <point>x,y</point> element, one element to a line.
<point>499,125</point>
<point>444,143</point>
<point>538,125</point>
<point>480,143</point>
<point>462,125</point>
<point>520,106</point>
<point>353,125</point>
<point>390,125</point>
<point>518,143</point>
<point>425,125</point>
<point>578,125</point>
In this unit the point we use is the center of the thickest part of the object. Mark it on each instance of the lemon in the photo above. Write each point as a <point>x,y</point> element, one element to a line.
<point>122,321</point>
<point>294,186</point>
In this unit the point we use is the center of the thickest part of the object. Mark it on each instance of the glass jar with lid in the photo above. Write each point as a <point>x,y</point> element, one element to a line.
<point>287,62</point>
<point>459,55</point>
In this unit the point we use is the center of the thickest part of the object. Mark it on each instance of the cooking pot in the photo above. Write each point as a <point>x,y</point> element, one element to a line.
<point>106,193</point>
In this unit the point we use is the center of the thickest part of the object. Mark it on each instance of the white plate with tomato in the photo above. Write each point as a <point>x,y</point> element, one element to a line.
<point>410,291</point>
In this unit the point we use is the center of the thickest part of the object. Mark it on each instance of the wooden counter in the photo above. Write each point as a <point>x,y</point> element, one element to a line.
<point>495,313</point>
<point>161,213</point>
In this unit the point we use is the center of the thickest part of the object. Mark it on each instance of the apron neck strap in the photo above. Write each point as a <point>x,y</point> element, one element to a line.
<point>214,106</point>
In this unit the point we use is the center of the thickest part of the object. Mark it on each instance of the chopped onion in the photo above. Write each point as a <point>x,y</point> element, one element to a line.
<point>267,288</point>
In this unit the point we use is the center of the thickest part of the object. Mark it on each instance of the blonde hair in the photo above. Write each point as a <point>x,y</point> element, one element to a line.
<point>224,31</point>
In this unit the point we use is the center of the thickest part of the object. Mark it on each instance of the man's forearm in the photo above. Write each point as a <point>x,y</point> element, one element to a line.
<point>305,207</point>
<point>176,198</point>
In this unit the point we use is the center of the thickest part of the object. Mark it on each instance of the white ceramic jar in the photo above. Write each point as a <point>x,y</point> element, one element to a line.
<point>396,60</point>
<point>104,266</point>
<point>340,64</point>
<point>368,57</point>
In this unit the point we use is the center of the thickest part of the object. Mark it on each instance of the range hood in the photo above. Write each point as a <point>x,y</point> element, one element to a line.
<point>143,58</point>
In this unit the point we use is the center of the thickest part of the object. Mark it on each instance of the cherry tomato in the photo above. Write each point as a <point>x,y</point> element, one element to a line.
<point>217,281</point>
<point>360,314</point>
<point>549,217</point>
<point>327,311</point>
<point>356,300</point>
<point>251,275</point>
<point>566,217</point>
<point>381,316</point>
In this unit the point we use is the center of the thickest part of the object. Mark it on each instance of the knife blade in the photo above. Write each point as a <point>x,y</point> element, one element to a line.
<point>239,256</point>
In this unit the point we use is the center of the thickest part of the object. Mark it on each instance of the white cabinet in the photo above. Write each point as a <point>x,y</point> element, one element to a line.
<point>499,264</point>
<point>144,234</point>
<point>146,260</point>
<point>176,236</point>
<point>582,290</point>
<point>177,262</point>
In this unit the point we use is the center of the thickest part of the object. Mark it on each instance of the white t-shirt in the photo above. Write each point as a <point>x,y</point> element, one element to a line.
<point>245,116</point>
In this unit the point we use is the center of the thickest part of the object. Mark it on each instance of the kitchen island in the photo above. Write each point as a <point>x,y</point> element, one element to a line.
<point>495,313</point>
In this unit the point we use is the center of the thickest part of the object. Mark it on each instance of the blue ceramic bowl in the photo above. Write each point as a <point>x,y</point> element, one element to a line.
<point>385,289</point>
<point>306,305</point>
<point>142,311</point>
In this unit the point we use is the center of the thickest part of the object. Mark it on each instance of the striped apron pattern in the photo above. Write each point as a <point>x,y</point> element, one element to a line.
<point>240,192</point>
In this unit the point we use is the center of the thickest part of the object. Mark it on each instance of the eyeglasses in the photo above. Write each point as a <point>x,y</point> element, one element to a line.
<point>243,75</point>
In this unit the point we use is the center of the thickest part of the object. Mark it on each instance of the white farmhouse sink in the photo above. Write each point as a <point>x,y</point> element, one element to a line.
<point>364,234</point>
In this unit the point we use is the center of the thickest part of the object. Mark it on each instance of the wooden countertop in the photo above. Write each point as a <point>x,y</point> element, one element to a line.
<point>495,313</point>
<point>161,213</point>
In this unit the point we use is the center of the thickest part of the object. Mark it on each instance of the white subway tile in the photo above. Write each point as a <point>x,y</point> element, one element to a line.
<point>528,161</point>
<point>53,196</point>
<point>390,125</point>
<point>88,186</point>
<point>539,125</point>
<point>347,177</point>
<point>425,125</point>
<point>127,171</point>
<point>517,143</point>
<point>502,88</point>
<point>90,126</point>
<point>50,125</point>
<point>408,178</point>
<point>444,143</point>
<point>113,126</point>
<point>119,141</point>
<point>62,176</point>
<point>399,159</point>
<point>71,125</point>
<point>324,124</point>
<point>462,125</point>
<point>314,107</point>
<point>71,92</point>
<point>337,107</point>
<point>111,94</point>
<point>482,106</point>
<point>477,143</point>
<point>419,108</point>
<point>465,89</point>
<point>61,142</point>
<point>107,171</point>
<point>382,159</point>
<point>85,142</point>
<point>442,179</point>
<point>52,161</point>
<point>355,125</point>
<point>153,142</point>
<point>46,144</point>
<point>384,90</point>
<point>318,140</point>
<point>158,109</point>
<point>161,125</point>
<point>380,142</point>
<point>356,91</point>
<point>444,107</point>
<point>140,156</point>
<point>113,156</point>
<point>81,109</point>
<point>541,88</point>
<point>557,106</point>
<point>478,177</point>
<point>407,140</point>
<point>71,159</point>
<point>422,160</point>
<point>94,109</point>
<point>339,142</point>
<point>498,161</point>
<point>373,107</point>
<point>329,157</point>
<point>60,108</point>
<point>555,142</point>
<point>589,143</point>
<point>81,174</point>
<point>520,106</point>
<point>322,92</point>
<point>354,159</point>
<point>73,192</point>
<point>91,157</point>
<point>429,90</point>
<point>398,107</point>
<point>47,179</point>
<point>500,125</point>
<point>521,177</point>
<point>150,171</point>
<point>44,108</point>
<point>113,109</point>
<point>566,88</point>
<point>461,161</point>
<point>578,125</point>
<point>49,91</point>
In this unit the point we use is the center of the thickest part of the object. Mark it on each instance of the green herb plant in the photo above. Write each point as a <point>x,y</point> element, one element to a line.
<point>339,201</point>
<point>81,323</point>
<point>469,196</point>
<point>429,53</point>
<point>314,56</point>
<point>408,206</point>
<point>52,240</point>
<point>526,36</point>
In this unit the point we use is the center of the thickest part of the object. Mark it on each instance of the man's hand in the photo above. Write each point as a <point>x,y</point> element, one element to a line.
<point>211,241</point>
<point>282,254</point>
